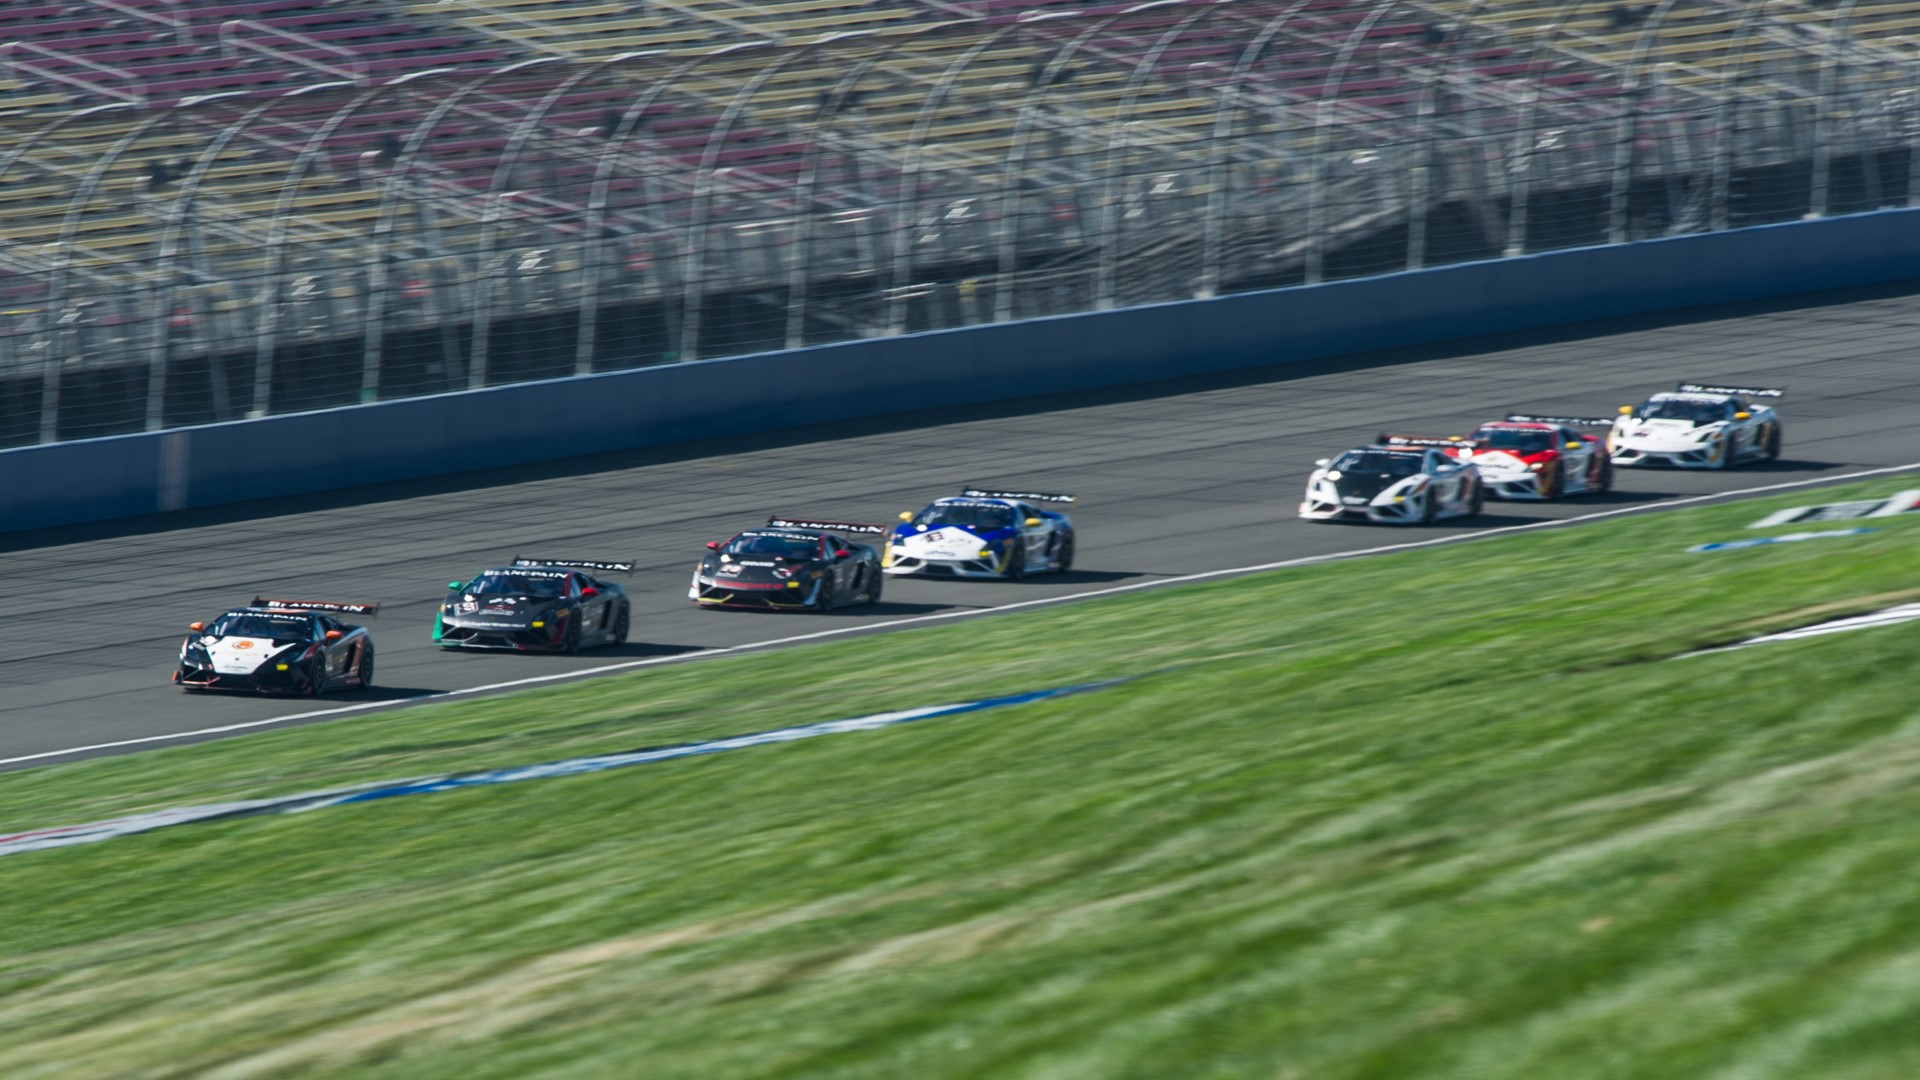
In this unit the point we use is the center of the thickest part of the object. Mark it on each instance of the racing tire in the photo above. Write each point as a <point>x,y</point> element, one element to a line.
<point>1724,459</point>
<point>1552,480</point>
<point>824,600</point>
<point>1604,483</point>
<point>316,677</point>
<point>622,623</point>
<point>1478,502</point>
<point>1017,562</point>
<point>875,581</point>
<point>1064,561</point>
<point>365,667</point>
<point>571,643</point>
<point>1770,445</point>
<point>1430,509</point>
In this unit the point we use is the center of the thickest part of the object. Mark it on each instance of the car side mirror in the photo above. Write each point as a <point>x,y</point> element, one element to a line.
<point>1572,446</point>
<point>1031,522</point>
<point>589,591</point>
<point>334,635</point>
<point>1743,416</point>
<point>843,553</point>
<point>1626,410</point>
<point>906,515</point>
<point>196,627</point>
<point>713,545</point>
<point>455,585</point>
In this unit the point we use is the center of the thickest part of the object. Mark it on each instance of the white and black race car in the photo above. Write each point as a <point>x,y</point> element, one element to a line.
<point>984,533</point>
<point>1697,426</point>
<point>279,646</point>
<point>1401,480</point>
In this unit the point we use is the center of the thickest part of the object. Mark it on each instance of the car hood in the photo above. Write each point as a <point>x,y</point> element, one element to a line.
<point>948,542</point>
<point>500,610</point>
<point>1365,485</point>
<point>1666,431</point>
<point>242,655</point>
<point>754,568</point>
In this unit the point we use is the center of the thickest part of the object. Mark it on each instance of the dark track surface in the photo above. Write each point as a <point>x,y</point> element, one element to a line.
<point>1174,479</point>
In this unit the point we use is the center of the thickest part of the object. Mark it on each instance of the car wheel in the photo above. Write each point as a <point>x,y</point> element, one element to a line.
<point>1722,454</point>
<point>823,601</point>
<point>875,582</point>
<point>316,677</point>
<point>1429,506</point>
<point>366,667</point>
<point>1605,482</point>
<point>571,643</point>
<point>1479,501</point>
<point>621,624</point>
<point>1064,561</point>
<point>1770,448</point>
<point>1551,479</point>
<point>1017,562</point>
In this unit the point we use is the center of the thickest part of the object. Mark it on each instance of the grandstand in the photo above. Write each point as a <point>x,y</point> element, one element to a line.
<point>212,210</point>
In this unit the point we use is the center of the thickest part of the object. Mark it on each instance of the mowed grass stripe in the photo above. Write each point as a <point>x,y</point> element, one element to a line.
<point>1437,814</point>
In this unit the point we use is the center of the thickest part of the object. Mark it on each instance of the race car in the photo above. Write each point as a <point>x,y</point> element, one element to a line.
<point>792,564</point>
<point>1540,457</point>
<point>279,646</point>
<point>1698,426</point>
<point>1401,480</point>
<point>536,605</point>
<point>984,533</point>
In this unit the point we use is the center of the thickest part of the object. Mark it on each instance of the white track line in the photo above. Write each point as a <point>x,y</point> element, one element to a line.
<point>868,628</point>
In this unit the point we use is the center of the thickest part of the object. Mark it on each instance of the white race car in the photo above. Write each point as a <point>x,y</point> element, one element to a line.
<point>1404,480</point>
<point>1697,427</point>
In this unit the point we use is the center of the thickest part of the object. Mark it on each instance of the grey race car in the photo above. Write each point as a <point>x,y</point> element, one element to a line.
<point>536,605</point>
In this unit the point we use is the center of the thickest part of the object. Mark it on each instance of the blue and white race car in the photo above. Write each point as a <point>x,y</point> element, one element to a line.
<point>983,534</point>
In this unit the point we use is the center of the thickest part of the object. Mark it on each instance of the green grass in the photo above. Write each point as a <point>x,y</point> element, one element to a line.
<point>1443,813</point>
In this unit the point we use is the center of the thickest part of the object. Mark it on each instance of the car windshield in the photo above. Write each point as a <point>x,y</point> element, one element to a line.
<point>777,545</point>
<point>1694,409</point>
<point>254,625</point>
<point>507,583</point>
<point>966,515</point>
<point>1519,440</point>
<point>1378,461</point>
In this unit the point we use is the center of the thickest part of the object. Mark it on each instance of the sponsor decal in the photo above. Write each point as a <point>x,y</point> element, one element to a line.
<point>1889,617</point>
<point>94,832</point>
<point>243,644</point>
<point>1448,441</point>
<point>1898,503</point>
<point>729,570</point>
<point>972,492</point>
<point>759,562</point>
<point>341,606</point>
<point>828,526</point>
<point>465,607</point>
<point>1787,538</point>
<point>1569,421</point>
<point>579,564</point>
<point>1743,391</point>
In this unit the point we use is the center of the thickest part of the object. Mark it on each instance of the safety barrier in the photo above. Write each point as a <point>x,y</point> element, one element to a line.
<point>120,476</point>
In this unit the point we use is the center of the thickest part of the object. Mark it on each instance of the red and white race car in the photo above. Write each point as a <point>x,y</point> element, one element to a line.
<point>1540,457</point>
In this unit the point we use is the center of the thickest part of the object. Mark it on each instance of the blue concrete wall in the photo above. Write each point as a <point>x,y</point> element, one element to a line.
<point>97,479</point>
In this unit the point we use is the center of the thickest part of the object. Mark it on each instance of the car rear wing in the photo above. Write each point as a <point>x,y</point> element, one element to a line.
<point>971,492</point>
<point>1743,391</point>
<point>1569,421</point>
<point>827,526</point>
<point>1444,442</point>
<point>331,607</point>
<point>601,565</point>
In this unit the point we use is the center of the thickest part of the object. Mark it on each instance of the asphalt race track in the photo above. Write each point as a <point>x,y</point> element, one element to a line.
<point>1173,479</point>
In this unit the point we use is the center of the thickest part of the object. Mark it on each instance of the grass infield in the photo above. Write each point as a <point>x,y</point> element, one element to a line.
<point>1442,813</point>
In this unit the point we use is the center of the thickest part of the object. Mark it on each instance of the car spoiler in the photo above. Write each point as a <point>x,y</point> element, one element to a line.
<point>1743,391</point>
<point>340,607</point>
<point>1449,442</point>
<point>1570,421</point>
<point>577,564</point>
<point>777,522</point>
<point>971,492</point>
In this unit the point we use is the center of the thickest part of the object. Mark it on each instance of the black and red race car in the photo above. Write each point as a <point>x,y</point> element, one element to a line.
<point>279,646</point>
<point>1533,457</point>
<point>536,605</point>
<point>791,564</point>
